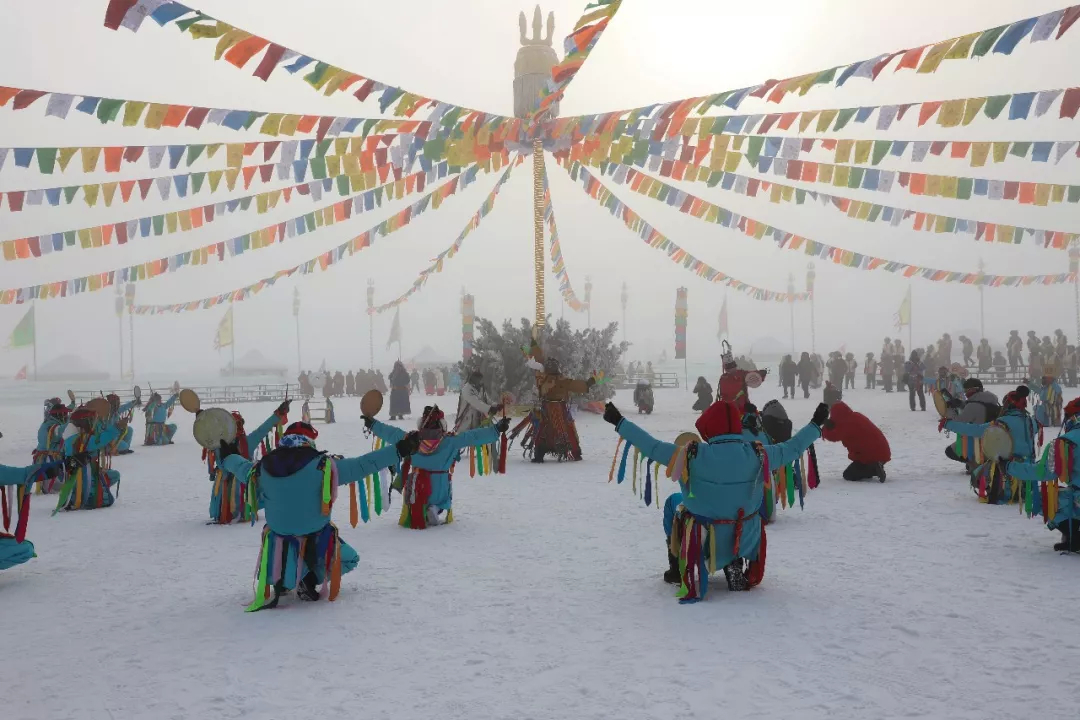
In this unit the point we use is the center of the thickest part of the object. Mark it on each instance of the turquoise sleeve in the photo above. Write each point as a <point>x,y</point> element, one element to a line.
<point>649,446</point>
<point>788,452</point>
<point>966,429</point>
<point>259,434</point>
<point>237,465</point>
<point>473,438</point>
<point>387,433</point>
<point>352,470</point>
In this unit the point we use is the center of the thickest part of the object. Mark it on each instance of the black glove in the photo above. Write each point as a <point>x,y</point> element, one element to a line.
<point>612,415</point>
<point>590,382</point>
<point>226,449</point>
<point>76,461</point>
<point>821,415</point>
<point>368,421</point>
<point>283,408</point>
<point>494,409</point>
<point>502,426</point>
<point>407,445</point>
<point>51,470</point>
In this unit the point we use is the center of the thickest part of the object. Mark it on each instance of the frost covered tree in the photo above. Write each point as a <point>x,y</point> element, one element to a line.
<point>500,355</point>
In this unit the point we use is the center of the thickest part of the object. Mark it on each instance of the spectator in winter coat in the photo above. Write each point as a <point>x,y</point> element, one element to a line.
<point>984,355</point>
<point>969,351</point>
<point>870,368</point>
<point>913,372</point>
<point>898,364</point>
<point>789,371</point>
<point>852,368</point>
<point>1032,344</point>
<point>944,353</point>
<point>1070,365</point>
<point>837,369</point>
<point>999,366</point>
<point>868,450</point>
<point>887,372</point>
<point>806,373</point>
<point>704,393</point>
<point>1014,346</point>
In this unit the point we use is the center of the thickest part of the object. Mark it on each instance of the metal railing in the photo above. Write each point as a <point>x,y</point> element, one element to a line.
<point>659,380</point>
<point>210,395</point>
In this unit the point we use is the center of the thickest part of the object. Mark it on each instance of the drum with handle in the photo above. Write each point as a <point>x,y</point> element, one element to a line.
<point>371,403</point>
<point>753,379</point>
<point>940,404</point>
<point>100,407</point>
<point>686,438</point>
<point>997,443</point>
<point>190,401</point>
<point>212,426</point>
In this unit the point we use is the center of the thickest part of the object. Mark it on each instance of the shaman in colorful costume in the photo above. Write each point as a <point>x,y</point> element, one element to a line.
<point>15,486</point>
<point>550,428</point>
<point>50,444</point>
<point>120,417</point>
<point>228,496</point>
<point>1048,409</point>
<point>426,478</point>
<point>714,520</point>
<point>476,411</point>
<point>990,480</point>
<point>978,408</point>
<point>1058,472</point>
<point>296,485</point>
<point>90,480</point>
<point>158,431</point>
<point>791,481</point>
<point>399,392</point>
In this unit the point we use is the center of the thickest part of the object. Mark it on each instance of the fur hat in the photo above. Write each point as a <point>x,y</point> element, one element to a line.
<point>1017,398</point>
<point>303,429</point>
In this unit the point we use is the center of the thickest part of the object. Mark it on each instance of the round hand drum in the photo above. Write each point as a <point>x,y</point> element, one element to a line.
<point>939,403</point>
<point>753,380</point>
<point>100,407</point>
<point>212,426</point>
<point>686,438</point>
<point>997,443</point>
<point>190,401</point>
<point>371,403</point>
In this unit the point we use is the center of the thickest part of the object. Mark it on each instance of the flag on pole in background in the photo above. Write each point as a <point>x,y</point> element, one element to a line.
<point>224,336</point>
<point>23,334</point>
<point>722,332</point>
<point>21,375</point>
<point>395,329</point>
<point>903,315</point>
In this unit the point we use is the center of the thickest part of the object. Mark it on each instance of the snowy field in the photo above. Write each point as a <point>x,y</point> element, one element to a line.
<point>544,599</point>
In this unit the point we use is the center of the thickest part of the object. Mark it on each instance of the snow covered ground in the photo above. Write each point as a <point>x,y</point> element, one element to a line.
<point>544,600</point>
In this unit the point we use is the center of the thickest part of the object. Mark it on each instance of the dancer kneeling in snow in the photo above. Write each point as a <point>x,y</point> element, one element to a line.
<point>991,480</point>
<point>1059,462</point>
<point>228,497</point>
<point>714,520</point>
<point>157,413</point>
<point>120,416</point>
<point>868,450</point>
<point>16,549</point>
<point>50,445</point>
<point>297,484</point>
<point>427,490</point>
<point>90,482</point>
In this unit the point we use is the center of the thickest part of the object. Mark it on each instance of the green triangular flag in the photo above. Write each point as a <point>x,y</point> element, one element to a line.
<point>23,334</point>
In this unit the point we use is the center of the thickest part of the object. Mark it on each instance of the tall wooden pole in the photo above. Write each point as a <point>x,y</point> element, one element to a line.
<point>33,308</point>
<point>982,302</point>
<point>1074,269</point>
<point>296,315</point>
<point>371,323</point>
<point>791,305</point>
<point>625,299</point>
<point>538,235</point>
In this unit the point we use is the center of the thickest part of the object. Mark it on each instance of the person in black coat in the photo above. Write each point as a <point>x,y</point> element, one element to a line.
<point>806,372</point>
<point>704,395</point>
<point>789,371</point>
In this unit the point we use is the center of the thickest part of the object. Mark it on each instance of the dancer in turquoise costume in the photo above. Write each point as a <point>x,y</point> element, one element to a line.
<point>1048,409</point>
<point>120,418</point>
<point>427,490</point>
<point>228,496</point>
<point>158,432</point>
<point>90,481</point>
<point>15,549</point>
<point>991,480</point>
<point>50,444</point>
<point>714,520</point>
<point>1059,473</point>
<point>296,485</point>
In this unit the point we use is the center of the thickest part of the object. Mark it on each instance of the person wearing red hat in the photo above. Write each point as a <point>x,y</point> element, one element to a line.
<point>228,493</point>
<point>868,449</point>
<point>990,480</point>
<point>714,520</point>
<point>427,483</point>
<point>1059,465</point>
<point>296,484</point>
<point>90,481</point>
<point>50,445</point>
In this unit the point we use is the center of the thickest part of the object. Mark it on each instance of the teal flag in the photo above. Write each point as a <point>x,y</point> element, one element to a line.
<point>23,334</point>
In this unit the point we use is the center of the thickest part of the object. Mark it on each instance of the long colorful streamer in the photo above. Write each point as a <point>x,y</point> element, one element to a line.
<point>558,263</point>
<point>708,212</point>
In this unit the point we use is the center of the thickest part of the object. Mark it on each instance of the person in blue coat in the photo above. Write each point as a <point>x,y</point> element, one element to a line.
<point>1061,451</point>
<point>1022,429</point>
<point>158,430</point>
<point>1048,409</point>
<point>50,444</point>
<point>427,489</point>
<point>16,549</point>
<point>296,485</point>
<point>228,493</point>
<point>713,521</point>
<point>120,416</point>
<point>89,483</point>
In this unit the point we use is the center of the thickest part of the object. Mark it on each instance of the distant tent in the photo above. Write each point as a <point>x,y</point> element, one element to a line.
<point>70,367</point>
<point>427,357</point>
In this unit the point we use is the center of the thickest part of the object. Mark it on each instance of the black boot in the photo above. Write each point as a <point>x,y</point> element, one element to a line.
<point>672,576</point>
<point>308,589</point>
<point>538,456</point>
<point>736,579</point>
<point>1068,537</point>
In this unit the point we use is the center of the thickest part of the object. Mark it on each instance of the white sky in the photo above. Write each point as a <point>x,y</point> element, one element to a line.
<point>463,52</point>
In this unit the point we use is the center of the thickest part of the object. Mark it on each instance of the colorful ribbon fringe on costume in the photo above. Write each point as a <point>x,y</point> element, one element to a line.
<point>273,558</point>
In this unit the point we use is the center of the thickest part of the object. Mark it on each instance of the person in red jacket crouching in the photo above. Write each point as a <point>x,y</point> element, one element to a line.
<point>867,447</point>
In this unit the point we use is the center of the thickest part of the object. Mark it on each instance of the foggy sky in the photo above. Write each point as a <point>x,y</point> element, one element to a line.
<point>463,52</point>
